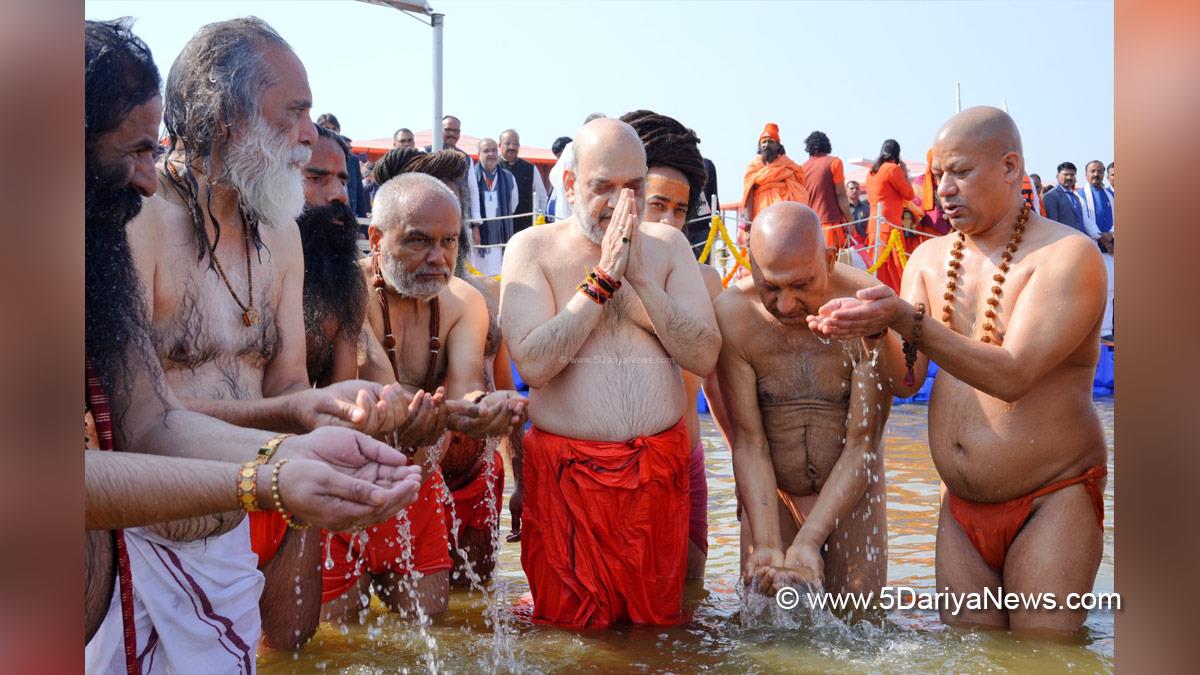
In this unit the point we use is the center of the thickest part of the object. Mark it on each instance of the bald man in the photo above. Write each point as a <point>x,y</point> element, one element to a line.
<point>432,325</point>
<point>807,415</point>
<point>600,312</point>
<point>1015,331</point>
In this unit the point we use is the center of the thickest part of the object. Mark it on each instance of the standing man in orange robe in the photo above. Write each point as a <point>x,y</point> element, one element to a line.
<point>770,177</point>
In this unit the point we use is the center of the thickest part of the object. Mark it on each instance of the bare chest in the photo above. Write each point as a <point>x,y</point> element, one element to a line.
<point>981,294</point>
<point>201,318</point>
<point>419,341</point>
<point>791,364</point>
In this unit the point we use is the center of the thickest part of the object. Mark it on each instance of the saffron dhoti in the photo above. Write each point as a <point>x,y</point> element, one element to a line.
<point>605,528</point>
<point>385,550</point>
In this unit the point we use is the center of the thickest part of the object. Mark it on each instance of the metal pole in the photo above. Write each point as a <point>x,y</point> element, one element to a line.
<point>957,97</point>
<point>438,20</point>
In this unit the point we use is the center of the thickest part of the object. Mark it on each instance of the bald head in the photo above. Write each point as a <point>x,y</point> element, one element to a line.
<point>400,200</point>
<point>607,135</point>
<point>786,230</point>
<point>979,168</point>
<point>983,126</point>
<point>609,157</point>
<point>790,264</point>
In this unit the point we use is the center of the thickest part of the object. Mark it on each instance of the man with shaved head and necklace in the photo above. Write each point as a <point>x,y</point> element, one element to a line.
<point>604,312</point>
<point>1014,304</point>
<point>808,416</point>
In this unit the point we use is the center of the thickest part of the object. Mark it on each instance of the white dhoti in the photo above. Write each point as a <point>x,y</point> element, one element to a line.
<point>487,260</point>
<point>195,606</point>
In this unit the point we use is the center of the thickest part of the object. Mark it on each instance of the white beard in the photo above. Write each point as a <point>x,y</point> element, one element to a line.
<point>267,174</point>
<point>589,228</point>
<point>407,284</point>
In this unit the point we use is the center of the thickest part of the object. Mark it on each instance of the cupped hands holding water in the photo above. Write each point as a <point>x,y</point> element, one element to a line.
<point>769,570</point>
<point>497,414</point>
<point>869,312</point>
<point>339,478</point>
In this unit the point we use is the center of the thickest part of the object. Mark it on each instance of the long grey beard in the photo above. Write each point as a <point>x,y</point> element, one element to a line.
<point>267,174</point>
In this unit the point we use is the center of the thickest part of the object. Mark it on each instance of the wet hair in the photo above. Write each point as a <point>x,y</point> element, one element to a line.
<point>817,143</point>
<point>329,118</point>
<point>216,82</point>
<point>119,75</point>
<point>669,143</point>
<point>559,144</point>
<point>890,152</point>
<point>334,136</point>
<point>1066,165</point>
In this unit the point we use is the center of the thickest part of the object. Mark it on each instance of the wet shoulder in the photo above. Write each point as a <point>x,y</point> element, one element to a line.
<point>458,298</point>
<point>1051,241</point>
<point>734,307</point>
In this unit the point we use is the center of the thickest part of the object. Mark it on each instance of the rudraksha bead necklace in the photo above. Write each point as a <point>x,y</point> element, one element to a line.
<point>954,275</point>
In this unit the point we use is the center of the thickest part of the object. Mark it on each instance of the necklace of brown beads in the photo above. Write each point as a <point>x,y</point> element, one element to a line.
<point>954,274</point>
<point>249,313</point>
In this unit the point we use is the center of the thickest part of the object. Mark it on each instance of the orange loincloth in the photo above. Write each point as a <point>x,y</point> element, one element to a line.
<point>605,528</point>
<point>991,527</point>
<point>266,534</point>
<point>383,553</point>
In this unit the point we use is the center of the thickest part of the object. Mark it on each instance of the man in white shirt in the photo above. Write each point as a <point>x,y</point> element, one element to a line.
<point>495,197</point>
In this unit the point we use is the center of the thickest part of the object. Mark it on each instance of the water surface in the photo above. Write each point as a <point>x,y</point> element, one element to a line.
<point>715,639</point>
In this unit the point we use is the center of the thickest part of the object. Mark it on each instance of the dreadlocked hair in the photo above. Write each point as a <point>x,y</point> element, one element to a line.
<point>669,143</point>
<point>447,165</point>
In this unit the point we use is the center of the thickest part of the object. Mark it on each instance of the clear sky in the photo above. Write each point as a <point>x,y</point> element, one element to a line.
<point>859,71</point>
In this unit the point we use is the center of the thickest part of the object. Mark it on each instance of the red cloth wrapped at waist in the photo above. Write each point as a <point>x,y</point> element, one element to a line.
<point>471,504</point>
<point>605,528</point>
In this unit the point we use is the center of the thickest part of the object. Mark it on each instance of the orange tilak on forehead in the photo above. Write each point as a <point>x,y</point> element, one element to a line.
<point>658,185</point>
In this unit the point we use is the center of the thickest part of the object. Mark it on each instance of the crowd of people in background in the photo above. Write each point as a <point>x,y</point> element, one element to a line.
<point>499,185</point>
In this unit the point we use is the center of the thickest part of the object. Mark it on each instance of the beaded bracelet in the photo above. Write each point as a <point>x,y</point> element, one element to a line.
<point>287,517</point>
<point>247,486</point>
<point>910,348</point>
<point>603,280</point>
<point>593,291</point>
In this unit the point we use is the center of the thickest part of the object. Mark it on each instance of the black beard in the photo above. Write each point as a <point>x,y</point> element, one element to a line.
<point>769,155</point>
<point>333,284</point>
<point>114,314</point>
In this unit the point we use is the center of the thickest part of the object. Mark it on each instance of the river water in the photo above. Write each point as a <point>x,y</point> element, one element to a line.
<point>715,639</point>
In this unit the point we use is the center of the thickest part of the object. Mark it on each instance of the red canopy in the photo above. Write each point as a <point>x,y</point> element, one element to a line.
<point>378,147</point>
